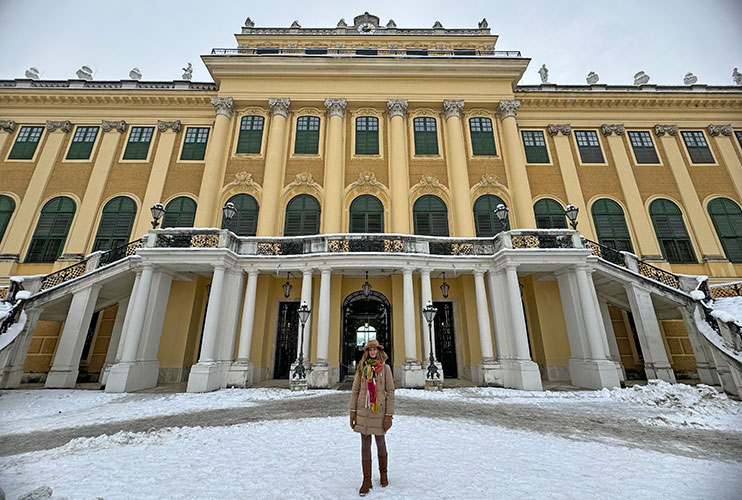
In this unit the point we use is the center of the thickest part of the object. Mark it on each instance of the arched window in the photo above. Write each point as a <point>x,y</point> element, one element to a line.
<point>485,220</point>
<point>727,218</point>
<point>180,212</point>
<point>431,216</point>
<point>245,220</point>
<point>302,216</point>
<point>671,232</point>
<point>610,224</point>
<point>51,230</point>
<point>366,215</point>
<point>115,224</point>
<point>7,205</point>
<point>549,214</point>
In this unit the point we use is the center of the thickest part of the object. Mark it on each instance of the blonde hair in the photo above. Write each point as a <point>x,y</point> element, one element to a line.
<point>380,355</point>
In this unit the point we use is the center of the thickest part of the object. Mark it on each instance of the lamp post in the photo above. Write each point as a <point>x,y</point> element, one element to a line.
<point>229,210</point>
<point>299,372</point>
<point>501,211</point>
<point>444,287</point>
<point>431,383</point>
<point>366,287</point>
<point>287,286</point>
<point>157,211</point>
<point>571,212</point>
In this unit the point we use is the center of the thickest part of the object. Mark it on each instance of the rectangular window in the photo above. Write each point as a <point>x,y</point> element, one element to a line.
<point>316,51</point>
<point>138,145</point>
<point>82,143</point>
<point>535,145</point>
<point>265,51</point>
<point>426,136</point>
<point>738,133</point>
<point>482,137</point>
<point>464,52</point>
<point>307,135</point>
<point>643,147</point>
<point>194,144</point>
<point>417,52</point>
<point>367,135</point>
<point>367,52</point>
<point>698,148</point>
<point>26,142</point>
<point>251,135</point>
<point>589,146</point>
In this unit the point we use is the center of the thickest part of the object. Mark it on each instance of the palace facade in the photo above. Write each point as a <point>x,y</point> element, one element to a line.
<point>359,169</point>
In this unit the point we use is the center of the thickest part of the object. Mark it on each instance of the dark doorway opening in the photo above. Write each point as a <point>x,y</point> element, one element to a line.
<point>286,339</point>
<point>445,341</point>
<point>364,318</point>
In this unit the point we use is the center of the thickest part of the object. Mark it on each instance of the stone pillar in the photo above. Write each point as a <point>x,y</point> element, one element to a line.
<point>64,370</point>
<point>158,174</point>
<point>458,171</point>
<point>724,138</point>
<point>306,296</point>
<point>215,164</point>
<point>30,205</point>
<point>571,180</point>
<point>695,215</point>
<point>705,363</point>
<point>515,165</point>
<point>399,176</point>
<point>204,375</point>
<point>332,209</point>
<point>426,295</point>
<point>320,375</point>
<point>241,372</point>
<point>656,360</point>
<point>519,372</point>
<point>13,357</point>
<point>275,159</point>
<point>116,337</point>
<point>413,374</point>
<point>499,304</point>
<point>228,325</point>
<point>646,244</point>
<point>77,244</point>
<point>615,355</point>
<point>488,367</point>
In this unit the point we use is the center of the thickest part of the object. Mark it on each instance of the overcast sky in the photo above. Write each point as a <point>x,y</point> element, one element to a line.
<point>616,39</point>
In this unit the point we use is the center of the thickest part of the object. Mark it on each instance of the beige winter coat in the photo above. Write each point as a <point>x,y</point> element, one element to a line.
<point>367,421</point>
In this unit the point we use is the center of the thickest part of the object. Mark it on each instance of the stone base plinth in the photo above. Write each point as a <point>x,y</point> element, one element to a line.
<point>413,375</point>
<point>11,378</point>
<point>240,374</point>
<point>435,384</point>
<point>298,384</point>
<point>490,373</point>
<point>662,372</point>
<point>521,374</point>
<point>319,376</point>
<point>128,377</point>
<point>594,374</point>
<point>204,377</point>
<point>61,379</point>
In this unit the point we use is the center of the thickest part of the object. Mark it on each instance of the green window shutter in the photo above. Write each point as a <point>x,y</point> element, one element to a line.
<point>738,133</point>
<point>194,143</point>
<point>307,135</point>
<point>643,147</point>
<point>302,216</point>
<point>26,142</point>
<point>244,222</point>
<point>137,146</point>
<point>727,218</point>
<point>116,221</point>
<point>431,216</point>
<point>7,206</point>
<point>366,215</point>
<point>180,212</point>
<point>534,144</point>
<point>367,135</point>
<point>589,146</point>
<point>671,232</point>
<point>482,136</point>
<point>82,143</point>
<point>251,135</point>
<point>51,230</point>
<point>698,148</point>
<point>610,225</point>
<point>486,222</point>
<point>426,136</point>
<point>549,214</point>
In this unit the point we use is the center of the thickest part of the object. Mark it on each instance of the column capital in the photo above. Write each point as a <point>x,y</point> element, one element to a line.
<point>553,130</point>
<point>397,107</point>
<point>424,271</point>
<point>715,130</point>
<point>280,106</point>
<point>64,125</point>
<point>163,126</point>
<point>478,272</point>
<point>661,130</point>
<point>508,108</point>
<point>336,107</point>
<point>224,106</point>
<point>407,270</point>
<point>617,129</point>
<point>452,108</point>
<point>7,125</point>
<point>119,126</point>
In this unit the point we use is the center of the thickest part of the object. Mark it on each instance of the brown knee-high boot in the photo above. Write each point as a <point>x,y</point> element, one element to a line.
<point>366,477</point>
<point>382,470</point>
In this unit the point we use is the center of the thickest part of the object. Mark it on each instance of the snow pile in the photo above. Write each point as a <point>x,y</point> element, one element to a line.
<point>14,329</point>
<point>690,400</point>
<point>728,310</point>
<point>697,295</point>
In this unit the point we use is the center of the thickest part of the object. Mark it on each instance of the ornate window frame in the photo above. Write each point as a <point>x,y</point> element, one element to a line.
<point>152,143</point>
<point>294,117</point>
<point>304,184</point>
<point>39,145</point>
<point>182,133</point>
<point>99,213</point>
<point>32,227</point>
<point>481,113</point>
<point>601,143</point>
<point>93,151</point>
<point>366,184</point>
<point>250,111</point>
<point>379,115</point>
<point>419,113</point>
<point>688,227</point>
<point>626,215</point>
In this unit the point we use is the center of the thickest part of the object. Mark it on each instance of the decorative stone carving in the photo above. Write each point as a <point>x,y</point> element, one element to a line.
<point>483,24</point>
<point>391,24</point>
<point>336,107</point>
<point>32,73</point>
<point>85,73</point>
<point>188,72</point>
<point>342,24</point>
<point>7,125</point>
<point>641,78</point>
<point>280,106</point>
<point>661,130</point>
<point>617,129</point>
<point>690,79</point>
<point>135,74</point>
<point>249,23</point>
<point>737,77</point>
<point>543,72</point>
<point>452,108</point>
<point>397,107</point>
<point>366,181</point>
<point>244,179</point>
<point>556,129</point>
<point>508,108</point>
<point>305,179</point>
<point>715,130</point>
<point>119,126</point>
<point>65,126</point>
<point>437,25</point>
<point>163,126</point>
<point>223,105</point>
<point>295,25</point>
<point>488,180</point>
<point>428,183</point>
<point>592,78</point>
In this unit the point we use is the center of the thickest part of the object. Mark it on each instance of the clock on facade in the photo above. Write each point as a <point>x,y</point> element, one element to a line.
<point>366,28</point>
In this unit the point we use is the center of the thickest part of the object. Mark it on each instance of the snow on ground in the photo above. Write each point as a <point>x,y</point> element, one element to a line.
<point>319,458</point>
<point>732,306</point>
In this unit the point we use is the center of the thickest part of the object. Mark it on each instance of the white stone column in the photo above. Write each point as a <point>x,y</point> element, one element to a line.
<point>65,368</point>
<point>116,338</point>
<point>241,372</point>
<point>133,332</point>
<point>610,334</point>
<point>520,372</point>
<point>590,316</point>
<point>413,374</point>
<point>306,296</point>
<point>229,323</point>
<point>656,360</point>
<point>498,300</point>
<point>426,295</point>
<point>13,357</point>
<point>489,373</point>
<point>320,374</point>
<point>705,364</point>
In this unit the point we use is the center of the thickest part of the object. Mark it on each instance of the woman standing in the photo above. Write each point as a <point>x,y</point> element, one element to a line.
<point>371,408</point>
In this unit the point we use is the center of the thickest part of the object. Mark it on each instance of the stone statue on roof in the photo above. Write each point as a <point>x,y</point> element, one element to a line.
<point>543,72</point>
<point>690,79</point>
<point>737,77</point>
<point>188,72</point>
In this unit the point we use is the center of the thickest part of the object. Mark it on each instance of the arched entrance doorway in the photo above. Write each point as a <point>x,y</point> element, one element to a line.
<point>364,318</point>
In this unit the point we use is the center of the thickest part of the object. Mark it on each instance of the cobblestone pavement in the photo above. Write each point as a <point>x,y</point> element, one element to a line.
<point>571,424</point>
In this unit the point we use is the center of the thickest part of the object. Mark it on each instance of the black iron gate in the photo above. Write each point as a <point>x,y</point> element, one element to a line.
<point>286,338</point>
<point>445,342</point>
<point>362,313</point>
